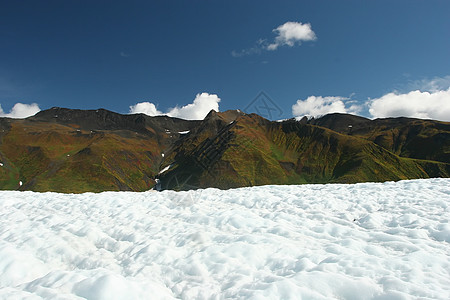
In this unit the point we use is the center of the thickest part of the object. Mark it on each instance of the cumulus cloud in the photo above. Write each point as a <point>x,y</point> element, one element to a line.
<point>147,108</point>
<point>433,104</point>
<point>288,34</point>
<point>202,105</point>
<point>197,110</point>
<point>21,110</point>
<point>291,33</point>
<point>416,104</point>
<point>315,106</point>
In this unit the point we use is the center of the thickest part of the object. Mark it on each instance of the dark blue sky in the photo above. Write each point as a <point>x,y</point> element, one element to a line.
<point>113,54</point>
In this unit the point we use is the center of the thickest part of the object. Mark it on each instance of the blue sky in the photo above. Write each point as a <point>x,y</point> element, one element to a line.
<point>366,57</point>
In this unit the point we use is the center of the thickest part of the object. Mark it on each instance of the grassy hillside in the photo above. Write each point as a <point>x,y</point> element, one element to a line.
<point>253,151</point>
<point>76,151</point>
<point>84,151</point>
<point>51,157</point>
<point>406,137</point>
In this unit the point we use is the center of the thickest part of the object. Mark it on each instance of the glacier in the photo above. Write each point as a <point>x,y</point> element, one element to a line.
<point>326,241</point>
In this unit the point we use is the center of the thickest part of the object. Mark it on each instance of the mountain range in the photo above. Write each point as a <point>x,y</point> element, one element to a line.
<point>73,151</point>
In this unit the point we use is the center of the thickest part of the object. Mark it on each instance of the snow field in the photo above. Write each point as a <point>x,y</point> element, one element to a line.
<point>362,241</point>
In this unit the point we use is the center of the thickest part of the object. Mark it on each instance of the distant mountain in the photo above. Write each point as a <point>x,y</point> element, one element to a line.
<point>67,150</point>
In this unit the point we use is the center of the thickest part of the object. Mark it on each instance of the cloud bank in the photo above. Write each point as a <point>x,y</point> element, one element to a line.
<point>21,110</point>
<point>147,108</point>
<point>315,106</point>
<point>415,104</point>
<point>197,110</point>
<point>288,34</point>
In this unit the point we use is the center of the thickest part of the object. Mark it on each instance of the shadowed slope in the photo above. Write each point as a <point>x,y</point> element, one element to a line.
<point>254,151</point>
<point>407,137</point>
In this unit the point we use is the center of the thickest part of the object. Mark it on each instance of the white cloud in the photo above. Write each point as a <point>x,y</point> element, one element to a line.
<point>145,108</point>
<point>21,110</point>
<point>202,105</point>
<point>433,104</point>
<point>197,110</point>
<point>416,104</point>
<point>291,33</point>
<point>288,34</point>
<point>315,106</point>
<point>123,54</point>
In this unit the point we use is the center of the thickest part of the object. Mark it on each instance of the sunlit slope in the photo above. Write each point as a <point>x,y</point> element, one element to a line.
<point>80,151</point>
<point>59,158</point>
<point>67,150</point>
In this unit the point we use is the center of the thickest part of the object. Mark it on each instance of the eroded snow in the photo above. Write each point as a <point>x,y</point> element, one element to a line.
<point>362,241</point>
<point>165,169</point>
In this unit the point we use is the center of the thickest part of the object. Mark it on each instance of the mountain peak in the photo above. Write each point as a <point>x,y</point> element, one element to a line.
<point>73,150</point>
<point>226,116</point>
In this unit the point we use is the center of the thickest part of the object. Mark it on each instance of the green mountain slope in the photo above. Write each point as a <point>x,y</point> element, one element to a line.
<point>68,150</point>
<point>253,151</point>
<point>407,137</point>
<point>78,151</point>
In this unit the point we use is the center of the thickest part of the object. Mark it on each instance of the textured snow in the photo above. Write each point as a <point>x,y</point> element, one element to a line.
<point>362,241</point>
<point>165,169</point>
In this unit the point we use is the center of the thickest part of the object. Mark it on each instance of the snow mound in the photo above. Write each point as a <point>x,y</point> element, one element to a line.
<point>362,241</point>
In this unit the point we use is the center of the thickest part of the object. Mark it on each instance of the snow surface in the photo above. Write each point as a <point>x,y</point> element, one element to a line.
<point>184,132</point>
<point>362,241</point>
<point>165,169</point>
